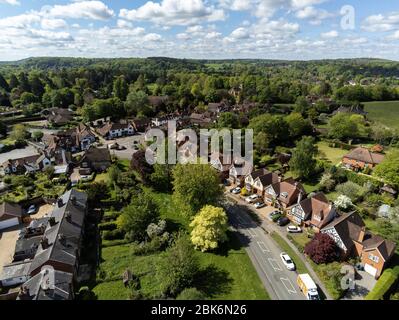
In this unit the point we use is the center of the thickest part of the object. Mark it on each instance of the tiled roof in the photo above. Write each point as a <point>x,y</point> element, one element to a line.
<point>365,155</point>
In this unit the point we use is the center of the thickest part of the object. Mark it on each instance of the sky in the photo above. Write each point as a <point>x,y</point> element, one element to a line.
<point>200,29</point>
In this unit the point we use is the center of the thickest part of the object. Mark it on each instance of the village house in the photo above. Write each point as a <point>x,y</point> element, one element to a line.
<point>141,124</point>
<point>285,193</point>
<point>10,215</point>
<point>222,166</point>
<point>315,212</point>
<point>259,180</point>
<point>76,139</point>
<point>95,159</point>
<point>201,120</point>
<point>26,248</point>
<point>28,164</point>
<point>111,130</point>
<point>58,116</point>
<point>14,274</point>
<point>60,245</point>
<point>361,158</point>
<point>238,171</point>
<point>48,284</point>
<point>350,235</point>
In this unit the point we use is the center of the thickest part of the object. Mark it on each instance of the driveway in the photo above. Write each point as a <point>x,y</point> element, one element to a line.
<point>279,282</point>
<point>364,283</point>
<point>8,239</point>
<point>43,211</point>
<point>126,142</point>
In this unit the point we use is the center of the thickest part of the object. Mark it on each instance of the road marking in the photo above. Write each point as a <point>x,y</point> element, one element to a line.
<point>288,285</point>
<point>252,233</point>
<point>274,264</point>
<point>263,247</point>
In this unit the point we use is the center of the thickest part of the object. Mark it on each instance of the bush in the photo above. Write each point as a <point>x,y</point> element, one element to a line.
<point>191,294</point>
<point>276,217</point>
<point>384,284</point>
<point>351,190</point>
<point>322,249</point>
<point>113,234</point>
<point>109,226</point>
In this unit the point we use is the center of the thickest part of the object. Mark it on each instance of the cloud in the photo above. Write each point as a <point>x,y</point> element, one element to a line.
<point>52,24</point>
<point>174,12</point>
<point>330,35</point>
<point>381,23</point>
<point>313,14</point>
<point>95,10</point>
<point>236,5</point>
<point>20,21</point>
<point>11,2</point>
<point>240,33</point>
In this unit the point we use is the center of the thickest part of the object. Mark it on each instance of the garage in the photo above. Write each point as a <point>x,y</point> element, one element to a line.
<point>9,223</point>
<point>10,215</point>
<point>370,269</point>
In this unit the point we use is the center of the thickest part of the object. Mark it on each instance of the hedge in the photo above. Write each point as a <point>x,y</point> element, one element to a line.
<point>384,284</point>
<point>362,179</point>
<point>109,226</point>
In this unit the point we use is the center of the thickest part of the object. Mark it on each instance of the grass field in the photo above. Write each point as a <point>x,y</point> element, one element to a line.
<point>386,112</point>
<point>332,155</point>
<point>226,274</point>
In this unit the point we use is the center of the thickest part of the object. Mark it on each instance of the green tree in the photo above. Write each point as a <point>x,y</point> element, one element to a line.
<point>342,127</point>
<point>298,126</point>
<point>3,84</point>
<point>161,177</point>
<point>37,135</point>
<point>191,294</point>
<point>301,105</point>
<point>178,269</point>
<point>228,120</point>
<point>19,133</point>
<point>136,217</point>
<point>121,88</point>
<point>194,186</point>
<point>209,228</point>
<point>137,102</point>
<point>303,161</point>
<point>14,82</point>
<point>275,127</point>
<point>388,170</point>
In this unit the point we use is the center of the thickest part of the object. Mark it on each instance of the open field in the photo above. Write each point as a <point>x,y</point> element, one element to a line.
<point>226,274</point>
<point>385,112</point>
<point>332,155</point>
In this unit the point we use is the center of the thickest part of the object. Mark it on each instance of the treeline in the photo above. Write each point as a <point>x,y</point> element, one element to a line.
<point>119,87</point>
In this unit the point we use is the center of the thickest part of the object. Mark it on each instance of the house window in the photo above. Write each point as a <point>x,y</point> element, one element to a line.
<point>374,258</point>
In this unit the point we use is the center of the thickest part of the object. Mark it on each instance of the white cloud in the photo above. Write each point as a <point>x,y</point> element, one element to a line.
<point>52,24</point>
<point>12,2</point>
<point>381,23</point>
<point>330,35</point>
<point>240,33</point>
<point>236,5</point>
<point>20,21</point>
<point>152,37</point>
<point>174,12</point>
<point>394,36</point>
<point>124,24</point>
<point>313,14</point>
<point>95,10</point>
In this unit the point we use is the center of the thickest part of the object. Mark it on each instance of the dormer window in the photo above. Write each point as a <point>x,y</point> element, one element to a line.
<point>284,195</point>
<point>374,258</point>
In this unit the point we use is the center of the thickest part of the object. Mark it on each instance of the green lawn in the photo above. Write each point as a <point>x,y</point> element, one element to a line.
<point>386,112</point>
<point>300,266</point>
<point>332,155</point>
<point>227,274</point>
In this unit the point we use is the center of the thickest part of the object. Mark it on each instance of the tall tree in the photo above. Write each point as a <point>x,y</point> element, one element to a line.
<point>303,161</point>
<point>195,186</point>
<point>121,88</point>
<point>389,169</point>
<point>209,228</point>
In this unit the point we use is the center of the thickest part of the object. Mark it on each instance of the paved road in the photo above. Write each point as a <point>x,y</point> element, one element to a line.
<point>279,282</point>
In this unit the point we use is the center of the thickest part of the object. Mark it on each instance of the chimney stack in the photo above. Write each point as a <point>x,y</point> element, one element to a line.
<point>362,234</point>
<point>44,243</point>
<point>52,221</point>
<point>60,202</point>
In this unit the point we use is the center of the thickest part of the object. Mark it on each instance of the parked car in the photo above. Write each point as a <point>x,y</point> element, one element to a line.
<point>287,261</point>
<point>235,190</point>
<point>252,198</point>
<point>283,221</point>
<point>294,229</point>
<point>259,204</point>
<point>274,214</point>
<point>32,209</point>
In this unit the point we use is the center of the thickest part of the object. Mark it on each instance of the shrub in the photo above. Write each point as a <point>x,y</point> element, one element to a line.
<point>327,183</point>
<point>351,190</point>
<point>109,226</point>
<point>322,249</point>
<point>343,203</point>
<point>191,294</point>
<point>113,234</point>
<point>384,284</point>
<point>276,217</point>
<point>244,192</point>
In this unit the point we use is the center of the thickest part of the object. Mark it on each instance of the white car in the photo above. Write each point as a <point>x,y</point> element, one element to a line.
<point>32,209</point>
<point>252,198</point>
<point>259,205</point>
<point>287,261</point>
<point>294,229</point>
<point>236,190</point>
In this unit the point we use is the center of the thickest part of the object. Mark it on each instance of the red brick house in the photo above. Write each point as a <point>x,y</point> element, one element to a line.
<point>285,193</point>
<point>350,235</point>
<point>360,158</point>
